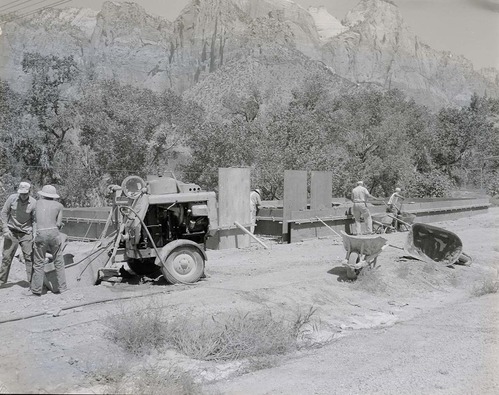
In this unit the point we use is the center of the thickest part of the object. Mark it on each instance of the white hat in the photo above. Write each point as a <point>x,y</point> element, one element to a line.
<point>24,187</point>
<point>398,190</point>
<point>360,182</point>
<point>49,191</point>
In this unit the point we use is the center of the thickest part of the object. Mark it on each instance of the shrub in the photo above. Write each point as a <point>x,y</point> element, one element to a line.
<point>229,337</point>
<point>431,184</point>
<point>138,329</point>
<point>237,336</point>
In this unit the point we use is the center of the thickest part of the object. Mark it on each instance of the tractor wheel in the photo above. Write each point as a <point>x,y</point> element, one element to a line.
<point>184,264</point>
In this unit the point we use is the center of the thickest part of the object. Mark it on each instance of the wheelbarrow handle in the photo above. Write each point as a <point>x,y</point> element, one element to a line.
<point>399,220</point>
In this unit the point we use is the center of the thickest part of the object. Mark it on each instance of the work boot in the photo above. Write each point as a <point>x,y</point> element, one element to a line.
<point>29,293</point>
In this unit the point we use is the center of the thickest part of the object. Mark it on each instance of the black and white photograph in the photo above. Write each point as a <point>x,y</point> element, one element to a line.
<point>249,197</point>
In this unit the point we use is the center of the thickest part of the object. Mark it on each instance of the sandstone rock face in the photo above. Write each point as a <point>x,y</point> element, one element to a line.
<point>58,32</point>
<point>379,48</point>
<point>372,45</point>
<point>327,25</point>
<point>129,45</point>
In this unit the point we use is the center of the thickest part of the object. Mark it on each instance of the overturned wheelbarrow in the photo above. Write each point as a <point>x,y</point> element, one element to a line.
<point>362,251</point>
<point>432,244</point>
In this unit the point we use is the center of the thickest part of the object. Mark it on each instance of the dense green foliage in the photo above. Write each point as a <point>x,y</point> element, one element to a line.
<point>81,135</point>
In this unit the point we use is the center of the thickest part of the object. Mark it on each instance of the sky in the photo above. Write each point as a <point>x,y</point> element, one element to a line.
<point>464,27</point>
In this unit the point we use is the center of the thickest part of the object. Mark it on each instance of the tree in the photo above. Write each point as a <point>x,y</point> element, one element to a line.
<point>127,130</point>
<point>463,137</point>
<point>51,113</point>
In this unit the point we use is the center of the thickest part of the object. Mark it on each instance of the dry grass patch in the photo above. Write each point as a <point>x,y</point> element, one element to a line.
<point>137,328</point>
<point>142,327</point>
<point>130,377</point>
<point>238,336</point>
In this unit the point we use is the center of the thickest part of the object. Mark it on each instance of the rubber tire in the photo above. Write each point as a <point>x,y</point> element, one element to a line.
<point>185,264</point>
<point>351,273</point>
<point>464,259</point>
<point>352,259</point>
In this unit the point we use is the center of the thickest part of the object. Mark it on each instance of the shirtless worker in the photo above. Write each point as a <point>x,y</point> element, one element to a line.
<point>360,196</point>
<point>48,239</point>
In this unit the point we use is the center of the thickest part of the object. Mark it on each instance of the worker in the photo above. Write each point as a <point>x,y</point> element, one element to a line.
<point>394,206</point>
<point>360,196</point>
<point>48,239</point>
<point>18,220</point>
<point>255,203</point>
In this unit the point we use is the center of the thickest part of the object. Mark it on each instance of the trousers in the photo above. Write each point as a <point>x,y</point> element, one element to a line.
<point>358,210</point>
<point>50,241</point>
<point>10,245</point>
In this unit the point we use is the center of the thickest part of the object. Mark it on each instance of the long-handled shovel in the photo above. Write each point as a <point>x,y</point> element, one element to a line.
<point>327,226</point>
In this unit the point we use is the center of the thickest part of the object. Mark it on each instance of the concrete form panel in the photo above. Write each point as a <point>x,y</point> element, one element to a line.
<point>233,205</point>
<point>307,231</point>
<point>321,185</point>
<point>295,196</point>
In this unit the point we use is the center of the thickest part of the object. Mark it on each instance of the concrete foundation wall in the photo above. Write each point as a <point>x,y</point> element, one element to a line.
<point>305,224</point>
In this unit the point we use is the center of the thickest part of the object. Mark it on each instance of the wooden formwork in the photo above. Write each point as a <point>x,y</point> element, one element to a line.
<point>321,185</point>
<point>233,206</point>
<point>305,224</point>
<point>293,219</point>
<point>295,197</point>
<point>85,224</point>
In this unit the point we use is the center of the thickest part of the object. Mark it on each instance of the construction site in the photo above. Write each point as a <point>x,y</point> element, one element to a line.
<point>170,249</point>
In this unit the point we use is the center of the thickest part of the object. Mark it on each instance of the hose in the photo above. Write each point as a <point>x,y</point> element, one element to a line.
<point>28,316</point>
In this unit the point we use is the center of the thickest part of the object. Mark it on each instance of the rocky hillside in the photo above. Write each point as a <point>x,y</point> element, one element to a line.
<point>218,40</point>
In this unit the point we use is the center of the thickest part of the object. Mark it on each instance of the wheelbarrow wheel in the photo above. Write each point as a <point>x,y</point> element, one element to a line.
<point>352,260</point>
<point>464,259</point>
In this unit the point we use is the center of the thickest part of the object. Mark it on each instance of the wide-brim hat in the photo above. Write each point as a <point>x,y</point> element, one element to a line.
<point>24,187</point>
<point>49,191</point>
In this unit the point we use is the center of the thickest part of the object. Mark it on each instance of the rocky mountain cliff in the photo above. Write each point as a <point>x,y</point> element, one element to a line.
<point>217,40</point>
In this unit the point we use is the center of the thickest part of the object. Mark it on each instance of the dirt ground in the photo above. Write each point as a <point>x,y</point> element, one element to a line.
<point>56,343</point>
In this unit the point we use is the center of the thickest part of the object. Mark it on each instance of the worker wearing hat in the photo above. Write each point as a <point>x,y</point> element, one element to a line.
<point>360,197</point>
<point>255,203</point>
<point>18,220</point>
<point>394,206</point>
<point>48,239</point>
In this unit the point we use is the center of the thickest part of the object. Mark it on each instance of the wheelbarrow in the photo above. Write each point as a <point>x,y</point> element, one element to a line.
<point>382,222</point>
<point>362,251</point>
<point>432,244</point>
<point>403,218</point>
